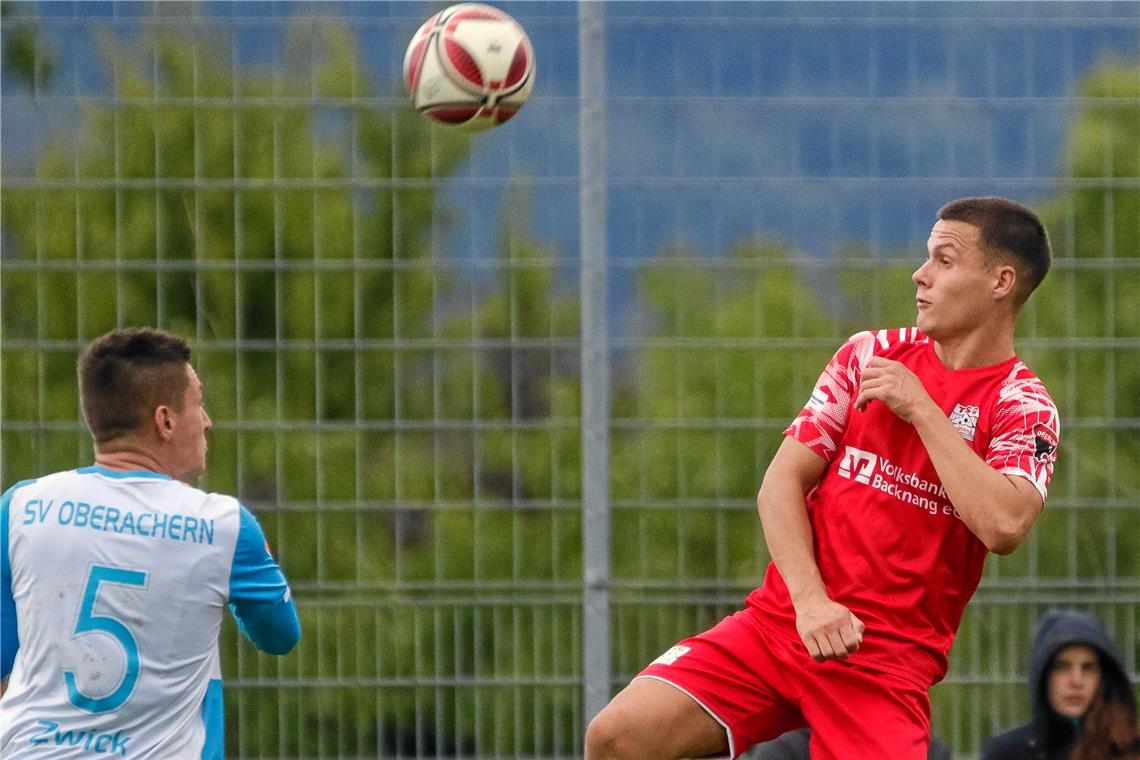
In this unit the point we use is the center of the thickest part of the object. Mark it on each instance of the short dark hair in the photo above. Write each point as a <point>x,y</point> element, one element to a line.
<point>125,374</point>
<point>1009,231</point>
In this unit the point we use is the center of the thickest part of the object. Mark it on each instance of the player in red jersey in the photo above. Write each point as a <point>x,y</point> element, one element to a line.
<point>920,450</point>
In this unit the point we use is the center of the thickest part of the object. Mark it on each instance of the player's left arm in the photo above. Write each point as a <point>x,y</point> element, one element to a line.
<point>9,633</point>
<point>999,509</point>
<point>260,598</point>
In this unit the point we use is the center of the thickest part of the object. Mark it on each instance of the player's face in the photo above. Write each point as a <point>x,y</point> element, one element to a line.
<point>1074,680</point>
<point>954,283</point>
<point>191,425</point>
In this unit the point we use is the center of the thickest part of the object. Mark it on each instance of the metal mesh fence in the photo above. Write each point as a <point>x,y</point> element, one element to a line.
<point>398,327</point>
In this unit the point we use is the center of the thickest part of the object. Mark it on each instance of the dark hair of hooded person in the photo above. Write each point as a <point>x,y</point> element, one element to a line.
<point>1009,233</point>
<point>1110,725</point>
<point>125,375</point>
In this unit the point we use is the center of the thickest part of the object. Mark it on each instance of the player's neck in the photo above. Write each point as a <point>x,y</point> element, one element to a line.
<point>977,349</point>
<point>128,460</point>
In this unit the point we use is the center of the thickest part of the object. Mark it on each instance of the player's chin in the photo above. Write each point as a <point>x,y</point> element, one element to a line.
<point>927,324</point>
<point>193,473</point>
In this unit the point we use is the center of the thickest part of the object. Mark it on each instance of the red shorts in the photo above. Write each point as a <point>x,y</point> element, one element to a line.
<point>758,684</point>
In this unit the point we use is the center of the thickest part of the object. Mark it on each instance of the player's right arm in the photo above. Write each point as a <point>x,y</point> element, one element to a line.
<point>827,628</point>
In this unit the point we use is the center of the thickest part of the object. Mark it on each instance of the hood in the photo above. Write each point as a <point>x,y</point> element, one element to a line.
<point>1056,631</point>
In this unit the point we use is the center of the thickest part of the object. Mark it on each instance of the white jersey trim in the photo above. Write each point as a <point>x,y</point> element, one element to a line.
<point>1017,472</point>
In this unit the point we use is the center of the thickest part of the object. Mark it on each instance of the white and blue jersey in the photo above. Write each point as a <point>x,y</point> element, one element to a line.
<point>113,588</point>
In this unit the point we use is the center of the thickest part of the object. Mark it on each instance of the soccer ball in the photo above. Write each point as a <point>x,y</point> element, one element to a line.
<point>469,66</point>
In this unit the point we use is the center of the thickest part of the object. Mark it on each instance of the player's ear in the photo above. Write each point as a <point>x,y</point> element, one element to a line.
<point>1005,281</point>
<point>164,422</point>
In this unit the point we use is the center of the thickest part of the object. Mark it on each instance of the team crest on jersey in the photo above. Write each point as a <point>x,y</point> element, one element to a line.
<point>965,419</point>
<point>1044,445</point>
<point>671,656</point>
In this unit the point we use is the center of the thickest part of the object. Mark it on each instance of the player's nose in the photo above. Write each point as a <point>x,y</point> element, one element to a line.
<point>918,276</point>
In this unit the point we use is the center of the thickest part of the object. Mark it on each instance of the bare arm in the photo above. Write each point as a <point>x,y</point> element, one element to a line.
<point>998,509</point>
<point>827,629</point>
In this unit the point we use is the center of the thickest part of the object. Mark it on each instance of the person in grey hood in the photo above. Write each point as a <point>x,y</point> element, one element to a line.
<point>1083,704</point>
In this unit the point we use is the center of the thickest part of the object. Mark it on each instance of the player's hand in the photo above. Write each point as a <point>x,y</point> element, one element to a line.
<point>892,383</point>
<point>828,629</point>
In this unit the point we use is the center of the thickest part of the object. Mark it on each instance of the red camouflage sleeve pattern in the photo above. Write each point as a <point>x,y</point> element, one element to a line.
<point>820,424</point>
<point>1027,430</point>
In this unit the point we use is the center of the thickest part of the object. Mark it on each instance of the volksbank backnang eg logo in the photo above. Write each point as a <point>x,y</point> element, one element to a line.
<point>884,475</point>
<point>857,465</point>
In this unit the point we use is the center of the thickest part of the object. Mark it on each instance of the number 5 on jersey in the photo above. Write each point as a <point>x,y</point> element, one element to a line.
<point>88,622</point>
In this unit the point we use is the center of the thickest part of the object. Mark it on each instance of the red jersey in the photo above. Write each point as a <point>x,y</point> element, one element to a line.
<point>889,544</point>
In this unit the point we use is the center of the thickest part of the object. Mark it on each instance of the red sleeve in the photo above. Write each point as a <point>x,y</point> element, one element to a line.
<point>1026,431</point>
<point>820,424</point>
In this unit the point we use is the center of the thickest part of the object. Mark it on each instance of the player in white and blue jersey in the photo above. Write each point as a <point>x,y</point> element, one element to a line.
<point>114,577</point>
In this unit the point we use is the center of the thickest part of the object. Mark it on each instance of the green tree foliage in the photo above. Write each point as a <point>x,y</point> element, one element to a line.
<point>25,55</point>
<point>1092,300</point>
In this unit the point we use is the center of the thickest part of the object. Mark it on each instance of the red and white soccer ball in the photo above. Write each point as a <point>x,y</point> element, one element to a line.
<point>469,66</point>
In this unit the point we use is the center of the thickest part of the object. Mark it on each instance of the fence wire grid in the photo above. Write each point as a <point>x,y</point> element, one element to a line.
<point>502,402</point>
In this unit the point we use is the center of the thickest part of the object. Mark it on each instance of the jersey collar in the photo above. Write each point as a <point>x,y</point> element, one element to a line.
<point>99,470</point>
